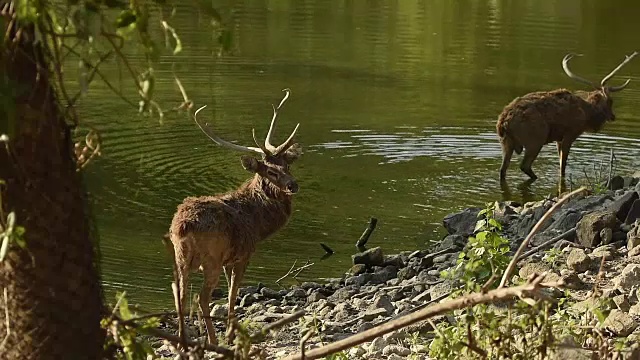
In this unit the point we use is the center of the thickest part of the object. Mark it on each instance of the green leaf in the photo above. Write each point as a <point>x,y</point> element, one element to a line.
<point>126,18</point>
<point>125,313</point>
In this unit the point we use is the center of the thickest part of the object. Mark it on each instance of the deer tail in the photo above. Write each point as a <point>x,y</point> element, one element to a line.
<point>506,138</point>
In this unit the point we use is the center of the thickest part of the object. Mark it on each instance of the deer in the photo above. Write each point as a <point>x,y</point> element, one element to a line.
<point>220,232</point>
<point>538,118</point>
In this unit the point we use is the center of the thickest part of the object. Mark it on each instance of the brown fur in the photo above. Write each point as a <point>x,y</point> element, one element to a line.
<point>215,232</point>
<point>539,118</point>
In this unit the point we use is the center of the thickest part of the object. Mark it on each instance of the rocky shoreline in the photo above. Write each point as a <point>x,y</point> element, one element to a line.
<point>382,287</point>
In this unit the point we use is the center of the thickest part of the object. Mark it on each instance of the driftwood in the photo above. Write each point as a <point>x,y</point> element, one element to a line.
<point>367,233</point>
<point>534,250</point>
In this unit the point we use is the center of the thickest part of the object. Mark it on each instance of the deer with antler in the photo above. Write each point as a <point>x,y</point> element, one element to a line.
<point>539,118</point>
<point>212,233</point>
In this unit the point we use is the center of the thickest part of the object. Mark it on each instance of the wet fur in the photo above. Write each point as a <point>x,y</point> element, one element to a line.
<point>538,118</point>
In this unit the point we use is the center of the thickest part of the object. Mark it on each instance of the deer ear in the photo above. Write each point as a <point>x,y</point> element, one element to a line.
<point>249,163</point>
<point>293,153</point>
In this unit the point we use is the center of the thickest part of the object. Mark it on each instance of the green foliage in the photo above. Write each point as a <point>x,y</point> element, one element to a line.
<point>552,256</point>
<point>123,330</point>
<point>342,355</point>
<point>486,254</point>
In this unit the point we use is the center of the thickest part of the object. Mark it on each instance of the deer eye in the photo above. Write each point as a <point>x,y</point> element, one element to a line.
<point>272,173</point>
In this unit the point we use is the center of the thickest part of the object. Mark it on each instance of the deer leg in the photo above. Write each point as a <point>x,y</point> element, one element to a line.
<point>564,155</point>
<point>507,152</point>
<point>236,277</point>
<point>183,279</point>
<point>211,277</point>
<point>530,154</point>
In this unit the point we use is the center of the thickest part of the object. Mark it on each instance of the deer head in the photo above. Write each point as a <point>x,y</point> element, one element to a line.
<point>274,162</point>
<point>601,97</point>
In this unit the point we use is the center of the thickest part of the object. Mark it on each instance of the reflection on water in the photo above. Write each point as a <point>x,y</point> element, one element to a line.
<point>397,103</point>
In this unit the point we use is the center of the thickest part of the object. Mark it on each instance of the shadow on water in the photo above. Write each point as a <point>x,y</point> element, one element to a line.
<point>397,103</point>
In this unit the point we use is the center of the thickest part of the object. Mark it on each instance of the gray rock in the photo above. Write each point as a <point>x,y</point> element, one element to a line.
<point>566,220</point>
<point>364,326</point>
<point>635,310</point>
<point>578,260</point>
<point>621,302</point>
<point>568,349</point>
<point>383,275</point>
<point>622,205</point>
<point>406,273</point>
<point>455,241</point>
<point>297,293</point>
<point>441,289</point>
<point>248,299</point>
<point>396,349</point>
<point>634,213</point>
<point>342,295</point>
<point>310,285</point>
<point>269,293</point>
<point>620,323</point>
<point>572,281</point>
<point>377,344</point>
<point>372,314</point>
<point>383,302</point>
<point>342,312</point>
<point>634,252</point>
<point>606,236</point>
<point>394,260</point>
<point>358,269</point>
<point>357,352</point>
<point>315,296</point>
<point>461,223</point>
<point>633,238</point>
<point>589,227</point>
<point>441,259</point>
<point>358,280</point>
<point>433,272</point>
<point>371,257</point>
<point>629,277</point>
<point>608,251</point>
<point>219,311</point>
<point>616,183</point>
<point>426,262</point>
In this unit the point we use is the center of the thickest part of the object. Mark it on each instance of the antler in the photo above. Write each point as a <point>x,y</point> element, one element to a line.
<point>565,66</point>
<point>267,141</point>
<point>207,130</point>
<point>606,78</point>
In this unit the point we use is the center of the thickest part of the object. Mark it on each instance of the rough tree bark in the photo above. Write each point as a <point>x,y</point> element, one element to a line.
<point>54,300</point>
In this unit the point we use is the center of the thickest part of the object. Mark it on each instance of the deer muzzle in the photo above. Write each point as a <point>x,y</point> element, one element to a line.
<point>292,187</point>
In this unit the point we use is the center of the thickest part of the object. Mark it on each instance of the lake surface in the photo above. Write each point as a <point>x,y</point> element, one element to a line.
<point>397,102</point>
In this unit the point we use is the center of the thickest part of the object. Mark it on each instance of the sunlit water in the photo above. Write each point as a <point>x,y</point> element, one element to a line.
<point>397,103</point>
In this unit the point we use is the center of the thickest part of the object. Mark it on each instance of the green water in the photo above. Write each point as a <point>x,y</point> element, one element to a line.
<point>397,102</point>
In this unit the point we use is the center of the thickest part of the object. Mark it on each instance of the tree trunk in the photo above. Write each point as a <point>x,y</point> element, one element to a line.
<point>53,295</point>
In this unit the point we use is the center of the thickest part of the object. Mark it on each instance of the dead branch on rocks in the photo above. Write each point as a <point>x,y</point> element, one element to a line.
<point>536,228</point>
<point>530,290</point>
<point>534,250</point>
<point>295,272</point>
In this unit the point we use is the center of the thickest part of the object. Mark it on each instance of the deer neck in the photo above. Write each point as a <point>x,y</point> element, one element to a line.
<point>270,207</point>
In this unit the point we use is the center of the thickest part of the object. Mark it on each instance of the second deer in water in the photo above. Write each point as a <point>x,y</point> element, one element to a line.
<point>215,232</point>
<point>539,118</point>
